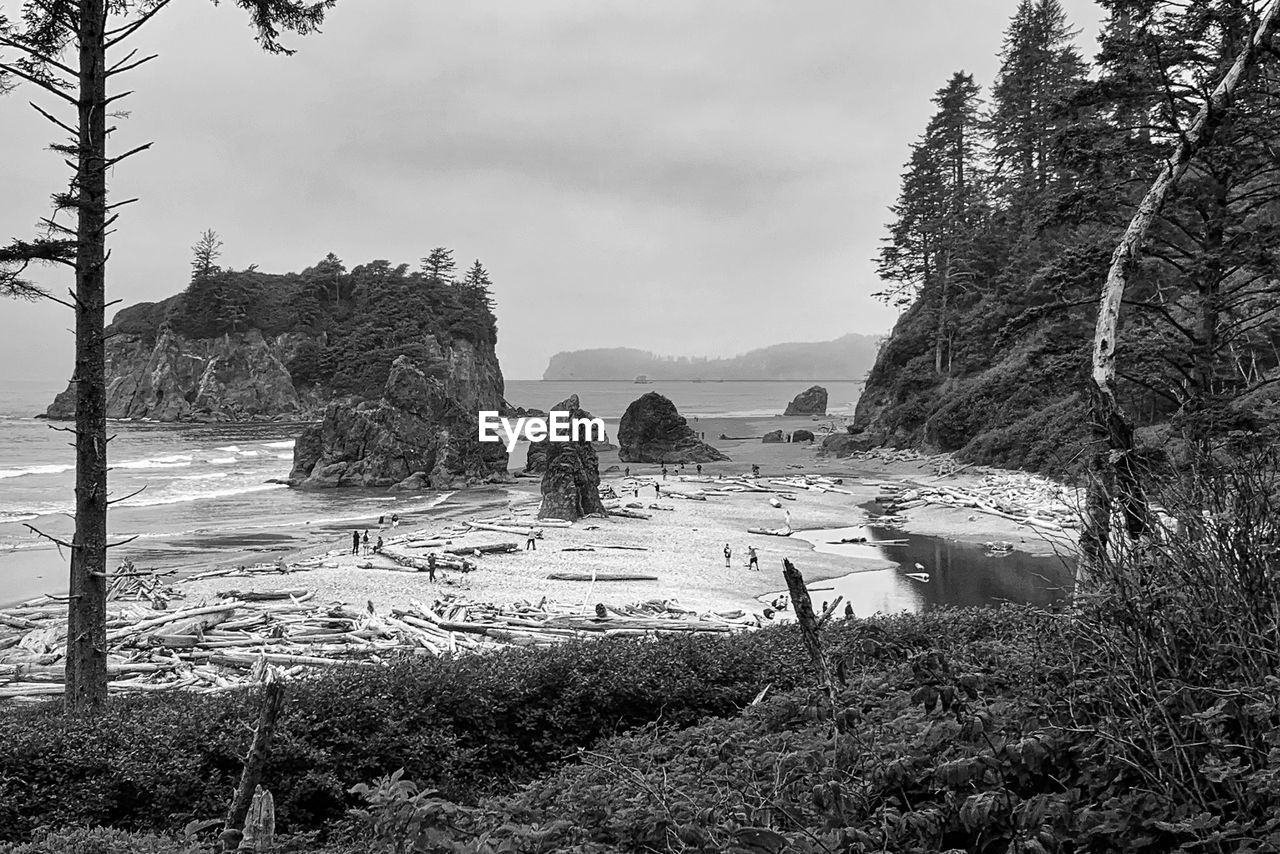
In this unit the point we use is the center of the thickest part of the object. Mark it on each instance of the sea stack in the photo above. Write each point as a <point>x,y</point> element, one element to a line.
<point>811,401</point>
<point>571,474</point>
<point>652,431</point>
<point>416,436</point>
<point>536,461</point>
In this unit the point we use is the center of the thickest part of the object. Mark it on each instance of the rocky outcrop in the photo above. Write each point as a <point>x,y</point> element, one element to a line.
<point>243,377</point>
<point>811,401</point>
<point>652,431</point>
<point>846,444</point>
<point>571,479</point>
<point>236,377</point>
<point>536,460</point>
<point>802,436</point>
<point>772,436</point>
<point>418,435</point>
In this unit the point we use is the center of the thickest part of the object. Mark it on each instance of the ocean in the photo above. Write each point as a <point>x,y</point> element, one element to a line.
<point>205,499</point>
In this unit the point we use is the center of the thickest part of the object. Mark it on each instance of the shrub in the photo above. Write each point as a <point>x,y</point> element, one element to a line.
<point>470,725</point>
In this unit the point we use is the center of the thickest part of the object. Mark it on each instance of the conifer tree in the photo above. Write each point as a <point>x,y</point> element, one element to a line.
<point>206,252</point>
<point>1040,70</point>
<point>70,50</point>
<point>925,252</point>
<point>439,266</point>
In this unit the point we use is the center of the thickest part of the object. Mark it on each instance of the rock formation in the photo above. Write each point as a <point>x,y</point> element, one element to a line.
<point>417,435</point>
<point>250,346</point>
<point>536,461</point>
<point>235,377</point>
<point>652,431</point>
<point>811,401</point>
<point>772,436</point>
<point>571,477</point>
<point>802,436</point>
<point>845,444</point>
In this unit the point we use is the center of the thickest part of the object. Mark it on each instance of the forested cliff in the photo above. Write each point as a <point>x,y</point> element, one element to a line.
<point>248,345</point>
<point>1011,204</point>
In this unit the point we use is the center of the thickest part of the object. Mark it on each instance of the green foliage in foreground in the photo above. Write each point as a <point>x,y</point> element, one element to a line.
<point>467,726</point>
<point>1021,743</point>
<point>983,730</point>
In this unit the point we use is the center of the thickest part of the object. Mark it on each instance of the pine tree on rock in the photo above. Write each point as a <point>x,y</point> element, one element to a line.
<point>206,252</point>
<point>439,266</point>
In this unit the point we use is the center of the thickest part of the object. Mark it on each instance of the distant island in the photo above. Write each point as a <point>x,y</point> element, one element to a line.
<point>847,358</point>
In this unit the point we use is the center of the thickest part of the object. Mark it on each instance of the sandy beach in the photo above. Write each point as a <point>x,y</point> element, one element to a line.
<point>682,543</point>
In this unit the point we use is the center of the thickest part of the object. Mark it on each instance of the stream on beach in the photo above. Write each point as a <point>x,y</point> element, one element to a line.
<point>929,572</point>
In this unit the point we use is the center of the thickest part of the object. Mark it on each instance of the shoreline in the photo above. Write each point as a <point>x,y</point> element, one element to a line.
<point>681,544</point>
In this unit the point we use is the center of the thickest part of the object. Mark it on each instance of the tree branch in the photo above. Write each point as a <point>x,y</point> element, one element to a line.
<point>119,34</point>
<point>43,84</point>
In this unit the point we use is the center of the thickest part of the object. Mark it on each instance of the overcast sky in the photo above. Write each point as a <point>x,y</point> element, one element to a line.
<point>692,177</point>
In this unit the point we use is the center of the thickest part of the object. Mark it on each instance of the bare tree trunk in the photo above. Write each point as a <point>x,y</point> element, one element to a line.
<point>86,669</point>
<point>1114,472</point>
<point>802,606</point>
<point>941,365</point>
<point>268,712</point>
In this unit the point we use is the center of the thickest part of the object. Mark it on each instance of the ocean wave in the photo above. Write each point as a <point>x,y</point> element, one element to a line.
<point>248,453</point>
<point>217,475</point>
<point>22,472</point>
<point>288,444</point>
<point>230,449</point>
<point>157,463</point>
<point>184,497</point>
<point>220,461</point>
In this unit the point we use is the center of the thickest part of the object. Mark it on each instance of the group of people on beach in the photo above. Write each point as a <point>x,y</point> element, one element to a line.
<point>360,541</point>
<point>753,560</point>
<point>360,544</point>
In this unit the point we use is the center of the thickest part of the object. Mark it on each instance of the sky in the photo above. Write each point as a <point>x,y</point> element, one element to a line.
<point>690,177</point>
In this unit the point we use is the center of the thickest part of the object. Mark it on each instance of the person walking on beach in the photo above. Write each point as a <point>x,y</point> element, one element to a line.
<point>788,512</point>
<point>657,489</point>
<point>753,562</point>
<point>395,520</point>
<point>626,472</point>
<point>365,543</point>
<point>664,472</point>
<point>531,542</point>
<point>699,469</point>
<point>355,542</point>
<point>431,566</point>
<point>728,553</point>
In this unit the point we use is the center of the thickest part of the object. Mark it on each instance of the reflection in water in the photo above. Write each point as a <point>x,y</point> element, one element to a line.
<point>959,573</point>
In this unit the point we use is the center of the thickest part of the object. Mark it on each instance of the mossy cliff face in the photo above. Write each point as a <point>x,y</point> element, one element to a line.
<point>235,377</point>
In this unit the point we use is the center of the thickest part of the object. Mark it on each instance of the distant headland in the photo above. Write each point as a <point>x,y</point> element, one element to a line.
<point>847,358</point>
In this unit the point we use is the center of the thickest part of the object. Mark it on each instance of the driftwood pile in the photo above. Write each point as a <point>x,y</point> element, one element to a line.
<point>1026,498</point>
<point>224,643</point>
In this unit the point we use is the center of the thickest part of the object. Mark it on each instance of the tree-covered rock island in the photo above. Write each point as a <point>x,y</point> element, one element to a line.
<point>245,345</point>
